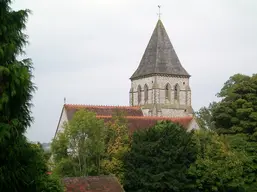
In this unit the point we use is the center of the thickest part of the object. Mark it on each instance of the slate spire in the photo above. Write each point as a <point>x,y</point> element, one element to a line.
<point>159,57</point>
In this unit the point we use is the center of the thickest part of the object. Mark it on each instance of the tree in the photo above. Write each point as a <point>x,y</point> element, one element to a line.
<point>22,167</point>
<point>230,85</point>
<point>117,145</point>
<point>37,164</point>
<point>237,112</point>
<point>205,116</point>
<point>242,144</point>
<point>78,150</point>
<point>217,167</point>
<point>47,153</point>
<point>16,87</point>
<point>159,159</point>
<point>236,116</point>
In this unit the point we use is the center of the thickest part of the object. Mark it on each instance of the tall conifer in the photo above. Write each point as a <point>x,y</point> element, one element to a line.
<point>21,166</point>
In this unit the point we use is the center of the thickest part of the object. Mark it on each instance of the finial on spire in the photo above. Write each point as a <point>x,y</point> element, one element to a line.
<point>159,14</point>
<point>64,100</point>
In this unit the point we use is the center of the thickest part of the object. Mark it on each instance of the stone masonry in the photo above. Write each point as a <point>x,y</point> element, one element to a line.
<point>160,85</point>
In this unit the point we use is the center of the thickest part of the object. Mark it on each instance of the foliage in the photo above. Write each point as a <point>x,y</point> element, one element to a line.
<point>117,145</point>
<point>47,153</point>
<point>237,112</point>
<point>217,168</point>
<point>205,116</point>
<point>45,182</point>
<point>22,166</point>
<point>78,149</point>
<point>30,172</point>
<point>16,87</point>
<point>236,116</point>
<point>242,143</point>
<point>230,85</point>
<point>159,159</point>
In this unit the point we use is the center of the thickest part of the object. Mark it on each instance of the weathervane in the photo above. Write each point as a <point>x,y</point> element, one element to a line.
<point>159,14</point>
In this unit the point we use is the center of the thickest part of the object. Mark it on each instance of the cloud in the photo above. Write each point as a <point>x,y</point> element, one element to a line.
<point>87,50</point>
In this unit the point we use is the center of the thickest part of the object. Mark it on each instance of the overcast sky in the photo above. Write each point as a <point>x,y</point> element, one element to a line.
<point>86,50</point>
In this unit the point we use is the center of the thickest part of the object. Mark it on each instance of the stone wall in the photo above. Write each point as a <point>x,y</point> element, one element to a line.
<point>156,95</point>
<point>142,82</point>
<point>183,84</point>
<point>175,113</point>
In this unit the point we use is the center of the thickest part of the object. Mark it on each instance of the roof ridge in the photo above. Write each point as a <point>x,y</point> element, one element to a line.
<point>101,106</point>
<point>150,117</point>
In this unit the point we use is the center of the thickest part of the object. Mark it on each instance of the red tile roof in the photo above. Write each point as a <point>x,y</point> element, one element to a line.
<point>92,184</point>
<point>143,122</point>
<point>134,115</point>
<point>103,110</point>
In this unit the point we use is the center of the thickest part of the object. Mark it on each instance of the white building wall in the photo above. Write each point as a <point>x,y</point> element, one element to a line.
<point>193,125</point>
<point>189,94</point>
<point>62,120</point>
<point>146,112</point>
<point>182,97</point>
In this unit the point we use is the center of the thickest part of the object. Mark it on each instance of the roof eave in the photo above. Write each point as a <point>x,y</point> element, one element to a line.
<point>158,74</point>
<point>63,110</point>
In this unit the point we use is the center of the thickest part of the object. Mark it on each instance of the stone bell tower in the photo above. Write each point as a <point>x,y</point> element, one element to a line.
<point>160,85</point>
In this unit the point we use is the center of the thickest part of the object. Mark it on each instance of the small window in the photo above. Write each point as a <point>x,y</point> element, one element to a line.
<point>176,92</point>
<point>167,91</point>
<point>183,83</point>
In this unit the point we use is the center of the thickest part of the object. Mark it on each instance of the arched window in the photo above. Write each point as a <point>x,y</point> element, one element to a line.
<point>167,91</point>
<point>139,94</point>
<point>146,92</point>
<point>176,92</point>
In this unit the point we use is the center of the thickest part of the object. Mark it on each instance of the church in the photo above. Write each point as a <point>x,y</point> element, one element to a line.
<point>159,90</point>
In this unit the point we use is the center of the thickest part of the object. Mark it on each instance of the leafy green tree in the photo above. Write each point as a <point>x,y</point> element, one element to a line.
<point>242,144</point>
<point>159,159</point>
<point>78,150</point>
<point>230,85</point>
<point>237,112</point>
<point>205,116</point>
<point>47,153</point>
<point>22,167</point>
<point>117,145</point>
<point>236,116</point>
<point>37,164</point>
<point>29,171</point>
<point>217,167</point>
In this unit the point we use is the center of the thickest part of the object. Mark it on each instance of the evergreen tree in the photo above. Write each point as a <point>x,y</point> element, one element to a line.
<point>159,159</point>
<point>21,166</point>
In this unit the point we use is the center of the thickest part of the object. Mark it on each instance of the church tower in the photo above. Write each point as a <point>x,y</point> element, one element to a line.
<point>160,85</point>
